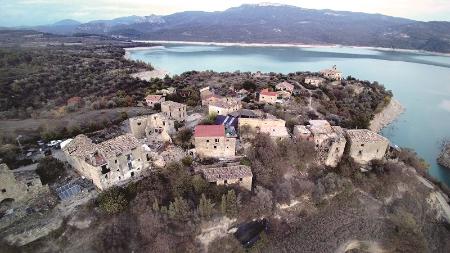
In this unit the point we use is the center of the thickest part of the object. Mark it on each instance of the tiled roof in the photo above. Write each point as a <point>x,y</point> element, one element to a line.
<point>153,98</point>
<point>226,173</point>
<point>285,85</point>
<point>266,92</point>
<point>81,146</point>
<point>209,131</point>
<point>320,127</point>
<point>224,102</point>
<point>364,135</point>
<point>172,104</point>
<point>119,145</point>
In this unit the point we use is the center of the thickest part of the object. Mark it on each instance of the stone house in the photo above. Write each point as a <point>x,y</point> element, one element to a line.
<point>224,106</point>
<point>19,185</point>
<point>108,163</point>
<point>174,110</point>
<point>314,80</point>
<point>168,91</point>
<point>242,93</point>
<point>152,100</point>
<point>212,141</point>
<point>149,125</point>
<point>235,174</point>
<point>329,140</point>
<point>365,145</point>
<point>285,86</point>
<point>269,97</point>
<point>276,128</point>
<point>333,73</point>
<point>302,132</point>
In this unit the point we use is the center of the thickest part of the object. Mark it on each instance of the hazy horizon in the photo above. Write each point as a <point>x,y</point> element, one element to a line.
<point>43,12</point>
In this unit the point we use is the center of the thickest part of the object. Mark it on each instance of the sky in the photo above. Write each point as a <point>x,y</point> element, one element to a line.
<point>39,12</point>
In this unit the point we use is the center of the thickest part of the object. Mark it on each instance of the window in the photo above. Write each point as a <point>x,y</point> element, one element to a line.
<point>132,174</point>
<point>164,123</point>
<point>225,182</point>
<point>148,157</point>
<point>207,140</point>
<point>3,190</point>
<point>360,152</point>
<point>105,169</point>
<point>29,184</point>
<point>139,123</point>
<point>216,140</point>
<point>240,179</point>
<point>115,161</point>
<point>215,147</point>
<point>362,145</point>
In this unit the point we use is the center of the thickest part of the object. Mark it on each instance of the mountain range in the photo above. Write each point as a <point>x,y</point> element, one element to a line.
<point>272,23</point>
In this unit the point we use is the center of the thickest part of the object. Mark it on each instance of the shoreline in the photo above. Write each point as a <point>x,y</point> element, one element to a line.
<point>387,116</point>
<point>287,45</point>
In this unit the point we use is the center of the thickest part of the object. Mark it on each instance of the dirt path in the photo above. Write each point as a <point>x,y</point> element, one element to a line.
<point>364,246</point>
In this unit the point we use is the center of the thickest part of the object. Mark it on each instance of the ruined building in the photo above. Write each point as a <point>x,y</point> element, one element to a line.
<point>234,174</point>
<point>333,73</point>
<point>174,110</point>
<point>157,126</point>
<point>276,128</point>
<point>365,145</point>
<point>329,140</point>
<point>109,163</point>
<point>224,106</point>
<point>19,185</point>
<point>212,141</point>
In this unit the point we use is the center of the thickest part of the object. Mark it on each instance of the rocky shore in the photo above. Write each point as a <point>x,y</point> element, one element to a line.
<point>444,157</point>
<point>387,116</point>
<point>148,75</point>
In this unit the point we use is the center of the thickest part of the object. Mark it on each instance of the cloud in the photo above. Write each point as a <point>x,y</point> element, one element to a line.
<point>445,104</point>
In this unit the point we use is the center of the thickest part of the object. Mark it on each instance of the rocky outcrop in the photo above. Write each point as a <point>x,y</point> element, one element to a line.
<point>444,157</point>
<point>386,116</point>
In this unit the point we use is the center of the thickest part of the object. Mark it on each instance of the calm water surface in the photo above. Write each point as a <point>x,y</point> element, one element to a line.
<point>420,82</point>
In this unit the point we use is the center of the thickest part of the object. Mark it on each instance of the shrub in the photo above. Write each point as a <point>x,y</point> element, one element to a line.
<point>113,200</point>
<point>50,169</point>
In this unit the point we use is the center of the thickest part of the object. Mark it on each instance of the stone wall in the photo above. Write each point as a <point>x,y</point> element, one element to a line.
<point>215,147</point>
<point>364,152</point>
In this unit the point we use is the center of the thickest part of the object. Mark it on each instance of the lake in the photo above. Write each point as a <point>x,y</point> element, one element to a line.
<point>421,82</point>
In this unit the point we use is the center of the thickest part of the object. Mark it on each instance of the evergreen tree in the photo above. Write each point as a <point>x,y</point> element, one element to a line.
<point>205,207</point>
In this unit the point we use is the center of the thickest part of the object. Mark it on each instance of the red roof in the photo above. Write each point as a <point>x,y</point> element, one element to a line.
<point>209,131</point>
<point>153,97</point>
<point>266,92</point>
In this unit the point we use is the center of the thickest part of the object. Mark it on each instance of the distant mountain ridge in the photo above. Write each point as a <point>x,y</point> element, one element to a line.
<point>272,23</point>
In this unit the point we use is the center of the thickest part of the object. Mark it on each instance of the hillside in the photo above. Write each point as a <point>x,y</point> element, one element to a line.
<point>275,24</point>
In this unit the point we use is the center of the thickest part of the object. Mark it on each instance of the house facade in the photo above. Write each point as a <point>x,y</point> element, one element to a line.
<point>365,145</point>
<point>229,175</point>
<point>211,141</point>
<point>269,97</point>
<point>152,100</point>
<point>333,73</point>
<point>329,140</point>
<point>109,163</point>
<point>146,126</point>
<point>174,110</point>
<point>276,128</point>
<point>314,80</point>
